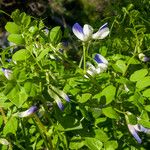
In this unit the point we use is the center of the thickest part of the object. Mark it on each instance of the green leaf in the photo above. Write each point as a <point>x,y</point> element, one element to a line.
<point>93,143</point>
<point>30,88</point>
<point>138,75</point>
<point>85,112</point>
<point>43,53</point>
<point>96,112</point>
<point>16,16</point>
<point>25,19</point>
<point>16,95</point>
<point>68,123</point>
<point>55,35</point>
<point>110,113</point>
<point>101,135</point>
<point>120,64</point>
<point>11,126</point>
<point>146,93</point>
<point>16,38</point>
<point>33,29</point>
<point>21,55</point>
<point>84,98</point>
<point>100,120</point>
<point>11,27</point>
<point>147,108</point>
<point>143,83</point>
<point>144,123</point>
<point>109,93</point>
<point>1,121</point>
<point>131,118</point>
<point>111,145</point>
<point>76,143</point>
<point>103,50</point>
<point>20,75</point>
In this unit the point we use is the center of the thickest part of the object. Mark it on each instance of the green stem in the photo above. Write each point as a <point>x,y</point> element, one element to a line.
<point>129,62</point>
<point>3,115</point>
<point>43,132</point>
<point>80,64</point>
<point>84,57</point>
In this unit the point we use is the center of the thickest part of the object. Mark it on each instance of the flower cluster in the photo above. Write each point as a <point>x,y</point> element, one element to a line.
<point>101,65</point>
<point>86,33</point>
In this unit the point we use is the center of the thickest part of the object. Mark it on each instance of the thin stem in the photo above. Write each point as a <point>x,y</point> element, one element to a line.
<point>81,62</point>
<point>84,57</point>
<point>129,62</point>
<point>1,11</point>
<point>43,132</point>
<point>3,115</point>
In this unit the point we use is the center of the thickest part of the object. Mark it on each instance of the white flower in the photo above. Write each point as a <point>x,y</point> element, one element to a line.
<point>101,66</point>
<point>143,57</point>
<point>7,73</point>
<point>102,32</point>
<point>126,88</point>
<point>4,141</point>
<point>28,112</point>
<point>101,61</point>
<point>86,33</point>
<point>134,129</point>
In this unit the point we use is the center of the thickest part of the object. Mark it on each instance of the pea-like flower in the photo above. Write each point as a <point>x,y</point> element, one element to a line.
<point>86,33</point>
<point>143,57</point>
<point>101,61</point>
<point>58,100</point>
<point>58,95</point>
<point>28,112</point>
<point>101,65</point>
<point>7,73</point>
<point>134,129</point>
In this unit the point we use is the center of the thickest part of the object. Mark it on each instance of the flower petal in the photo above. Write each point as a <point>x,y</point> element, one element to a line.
<point>143,57</point>
<point>88,31</point>
<point>60,104</point>
<point>7,73</point>
<point>133,131</point>
<point>103,67</point>
<point>100,59</point>
<point>28,112</point>
<point>64,96</point>
<point>91,70</point>
<point>78,31</point>
<point>102,32</point>
<point>4,141</point>
<point>104,26</point>
<point>140,128</point>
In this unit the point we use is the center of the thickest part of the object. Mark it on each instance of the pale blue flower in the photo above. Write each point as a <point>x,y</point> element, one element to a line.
<point>134,129</point>
<point>28,112</point>
<point>7,73</point>
<point>86,33</point>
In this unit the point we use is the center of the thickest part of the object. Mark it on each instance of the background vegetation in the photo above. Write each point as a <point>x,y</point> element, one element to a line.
<point>43,55</point>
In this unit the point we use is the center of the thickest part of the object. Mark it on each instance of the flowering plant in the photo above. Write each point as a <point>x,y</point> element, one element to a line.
<point>67,96</point>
